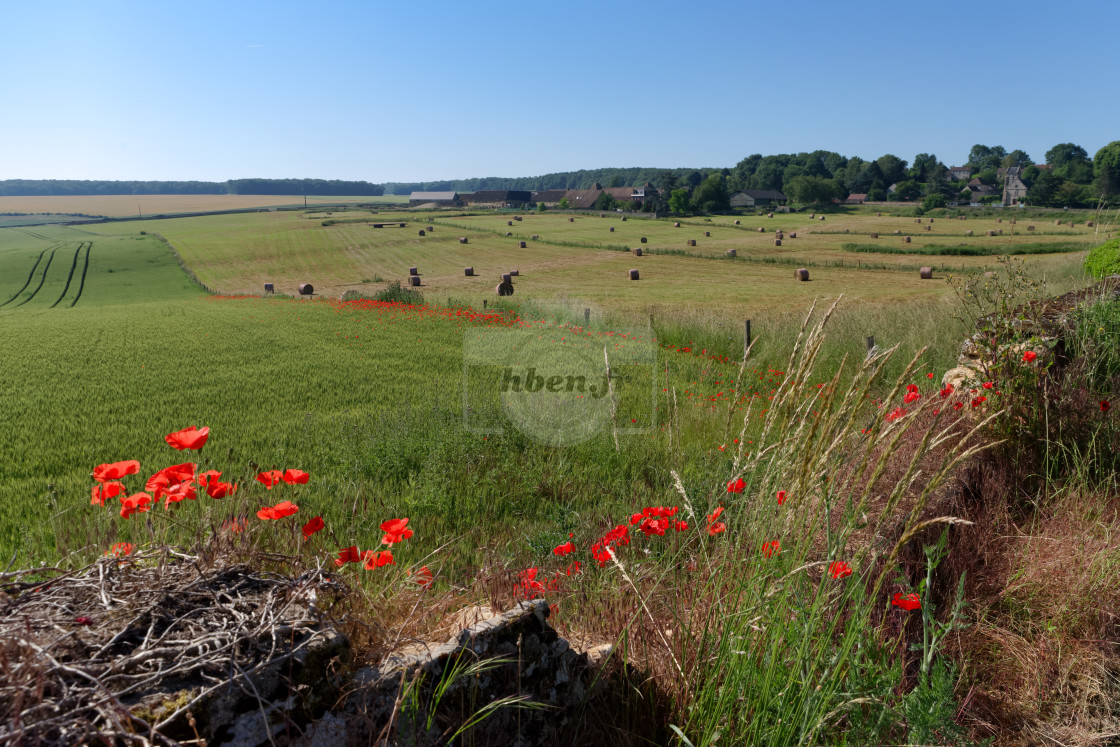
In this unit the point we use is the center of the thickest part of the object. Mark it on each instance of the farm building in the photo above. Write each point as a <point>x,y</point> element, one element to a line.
<point>550,197</point>
<point>756,197</point>
<point>585,198</point>
<point>450,199</point>
<point>498,198</point>
<point>856,198</point>
<point>959,173</point>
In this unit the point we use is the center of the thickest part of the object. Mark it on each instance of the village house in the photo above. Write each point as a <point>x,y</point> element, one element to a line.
<point>1014,190</point>
<point>757,198</point>
<point>498,198</point>
<point>442,199</point>
<point>959,173</point>
<point>856,198</point>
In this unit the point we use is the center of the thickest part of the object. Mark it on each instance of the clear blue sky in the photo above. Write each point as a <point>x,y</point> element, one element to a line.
<point>414,91</point>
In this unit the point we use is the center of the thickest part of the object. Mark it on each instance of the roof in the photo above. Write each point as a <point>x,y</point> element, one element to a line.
<point>498,195</point>
<point>858,196</point>
<point>582,197</point>
<point>764,194</point>
<point>549,195</point>
<point>1009,171</point>
<point>434,196</point>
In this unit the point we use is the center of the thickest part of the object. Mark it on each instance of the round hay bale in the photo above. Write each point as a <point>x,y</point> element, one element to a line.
<point>707,233</point>
<point>736,222</point>
<point>1071,224</point>
<point>847,230</point>
<point>507,277</point>
<point>1057,222</point>
<point>822,217</point>
<point>692,242</point>
<point>509,233</point>
<point>571,220</point>
<point>633,274</point>
<point>761,229</point>
<point>306,289</point>
<point>905,239</point>
<point>1089,224</point>
<point>793,234</point>
<point>897,232</point>
<point>1012,221</point>
<point>777,242</point>
<point>468,271</point>
<point>917,220</point>
<point>509,223</point>
<point>638,252</point>
<point>676,225</point>
<point>1030,228</point>
<point>812,216</point>
<point>421,232</point>
<point>534,236</point>
<point>431,228</point>
<point>731,253</point>
<point>769,215</point>
<point>874,235</point>
<point>801,274</point>
<point>515,273</point>
<point>878,215</point>
<point>504,289</point>
<point>517,218</point>
<point>1000,232</point>
<point>991,233</point>
<point>602,215</point>
<point>931,220</point>
<point>968,232</point>
<point>999,220</point>
<point>462,239</point>
<point>643,239</point>
<point>269,288</point>
<point>413,271</point>
<point>612,229</point>
<point>521,245</point>
<point>926,273</point>
<point>414,280</point>
<point>929,228</point>
<point>624,219</point>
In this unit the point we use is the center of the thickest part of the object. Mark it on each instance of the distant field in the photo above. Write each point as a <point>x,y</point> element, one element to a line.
<point>117,206</point>
<point>584,262</point>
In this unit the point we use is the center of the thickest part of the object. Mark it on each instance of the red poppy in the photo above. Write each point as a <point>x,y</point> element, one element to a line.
<point>895,414</point>
<point>529,583</point>
<point>781,497</point>
<point>83,620</point>
<point>270,478</point>
<point>279,511</point>
<point>680,526</point>
<point>348,555</point>
<point>119,550</point>
<point>769,549</point>
<point>312,526</point>
<point>217,489</point>
<point>929,375</point>
<point>101,492</point>
<point>236,525</point>
<point>189,438</point>
<point>115,470</point>
<point>636,518</point>
<point>295,477</point>
<point>977,401</point>
<point>178,492</point>
<point>736,486</point>
<point>715,514</point>
<point>423,578</point>
<point>159,482</point>
<point>378,559</point>
<point>204,478</point>
<point>563,549</point>
<point>716,528</point>
<point>947,391</point>
<point>958,405</point>
<point>839,569</point>
<point>1105,405</point>
<point>1029,356</point>
<point>137,503</point>
<point>909,602</point>
<point>396,530</point>
<point>988,385</point>
<point>654,526</point>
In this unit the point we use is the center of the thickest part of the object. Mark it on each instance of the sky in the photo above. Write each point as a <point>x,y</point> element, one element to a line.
<point>420,91</point>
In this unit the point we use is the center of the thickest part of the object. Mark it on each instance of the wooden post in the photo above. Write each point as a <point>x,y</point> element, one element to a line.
<point>484,303</point>
<point>587,316</point>
<point>747,333</point>
<point>870,344</point>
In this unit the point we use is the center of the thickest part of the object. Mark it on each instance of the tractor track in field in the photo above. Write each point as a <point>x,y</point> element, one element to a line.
<point>85,269</point>
<point>29,276</point>
<point>34,235</point>
<point>70,277</point>
<point>42,279</point>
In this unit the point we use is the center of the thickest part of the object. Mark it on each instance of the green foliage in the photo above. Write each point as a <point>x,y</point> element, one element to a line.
<point>1104,260</point>
<point>679,200</point>
<point>1106,169</point>
<point>711,196</point>
<point>564,204</point>
<point>970,250</point>
<point>605,202</point>
<point>907,191</point>
<point>813,190</point>
<point>933,201</point>
<point>395,293</point>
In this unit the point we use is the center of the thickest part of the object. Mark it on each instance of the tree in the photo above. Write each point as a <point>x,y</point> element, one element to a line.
<point>1043,192</point>
<point>981,157</point>
<point>564,204</point>
<point>540,207</point>
<point>925,164</point>
<point>813,189</point>
<point>907,191</point>
<point>616,181</point>
<point>667,181</point>
<point>694,178</point>
<point>892,167</point>
<point>1064,154</point>
<point>1016,158</point>
<point>678,200</point>
<point>933,201</point>
<point>604,202</point>
<point>711,196</point>
<point>1106,169</point>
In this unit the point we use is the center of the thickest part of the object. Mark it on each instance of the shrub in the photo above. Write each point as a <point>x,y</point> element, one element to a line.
<point>933,201</point>
<point>1104,260</point>
<point>391,293</point>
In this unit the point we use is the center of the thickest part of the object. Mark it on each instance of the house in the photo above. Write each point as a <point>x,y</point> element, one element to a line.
<point>980,191</point>
<point>960,173</point>
<point>549,197</point>
<point>498,198</point>
<point>756,197</point>
<point>1014,190</point>
<point>583,198</point>
<point>449,199</point>
<point>856,198</point>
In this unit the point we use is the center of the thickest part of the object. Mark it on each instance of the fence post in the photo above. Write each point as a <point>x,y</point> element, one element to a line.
<point>484,303</point>
<point>870,344</point>
<point>747,334</point>
<point>587,316</point>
